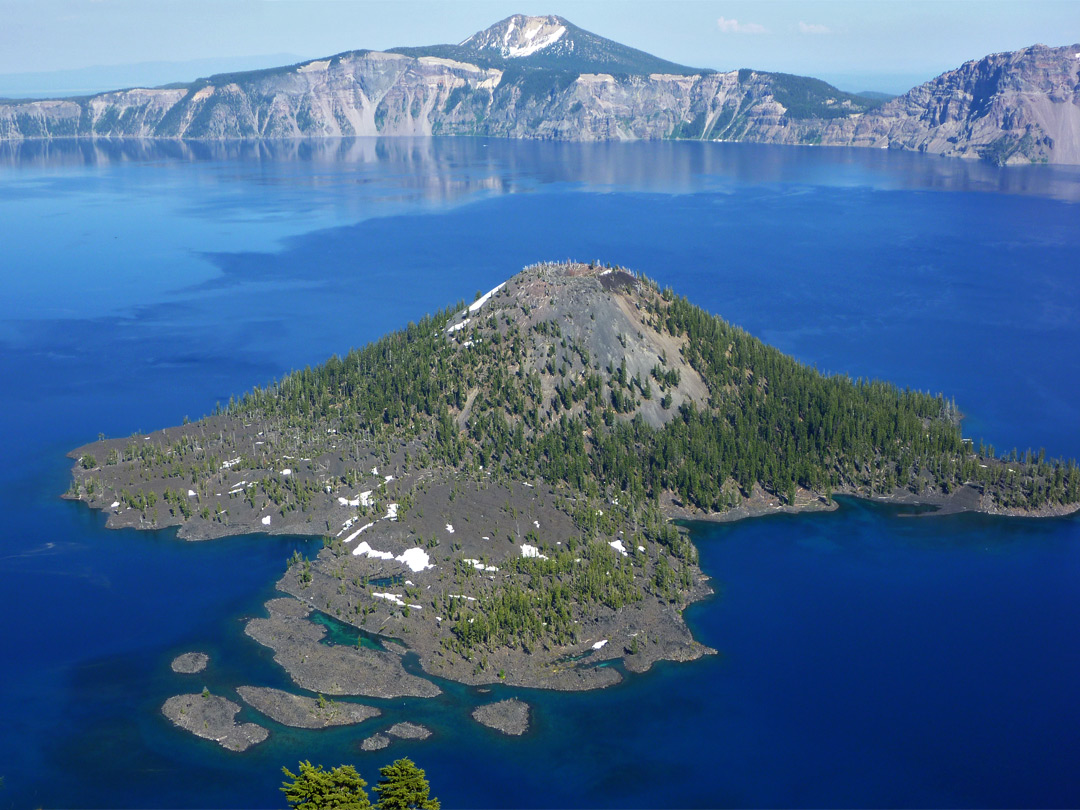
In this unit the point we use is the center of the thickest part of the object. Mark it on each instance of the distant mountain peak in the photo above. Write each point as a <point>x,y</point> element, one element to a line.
<point>553,43</point>
<point>519,36</point>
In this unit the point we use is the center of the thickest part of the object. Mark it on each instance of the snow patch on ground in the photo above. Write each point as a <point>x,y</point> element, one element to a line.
<point>618,546</point>
<point>416,559</point>
<point>450,528</point>
<point>358,532</point>
<point>393,597</point>
<point>266,521</point>
<point>367,551</point>
<point>598,645</point>
<point>531,551</point>
<point>478,565</point>
<point>483,299</point>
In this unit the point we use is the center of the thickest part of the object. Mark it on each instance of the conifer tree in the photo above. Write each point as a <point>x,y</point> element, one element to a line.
<point>340,788</point>
<point>404,787</point>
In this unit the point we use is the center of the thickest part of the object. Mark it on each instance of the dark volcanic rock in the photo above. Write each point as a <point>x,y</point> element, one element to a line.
<point>376,742</point>
<point>329,670</point>
<point>190,663</point>
<point>508,716</point>
<point>212,718</point>
<point>409,731</point>
<point>304,712</point>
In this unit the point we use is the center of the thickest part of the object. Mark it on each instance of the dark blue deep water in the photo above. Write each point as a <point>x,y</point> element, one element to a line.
<point>867,657</point>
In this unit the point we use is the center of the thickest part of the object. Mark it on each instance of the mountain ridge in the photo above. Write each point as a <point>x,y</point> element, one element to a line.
<point>543,77</point>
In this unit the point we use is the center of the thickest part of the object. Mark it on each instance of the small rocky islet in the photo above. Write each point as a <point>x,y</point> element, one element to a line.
<point>300,711</point>
<point>531,449</point>
<point>508,716</point>
<point>212,717</point>
<point>190,663</point>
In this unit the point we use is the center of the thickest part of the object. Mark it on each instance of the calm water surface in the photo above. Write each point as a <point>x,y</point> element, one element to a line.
<point>866,657</point>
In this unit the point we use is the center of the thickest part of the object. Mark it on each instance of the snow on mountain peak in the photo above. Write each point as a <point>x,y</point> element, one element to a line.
<point>519,36</point>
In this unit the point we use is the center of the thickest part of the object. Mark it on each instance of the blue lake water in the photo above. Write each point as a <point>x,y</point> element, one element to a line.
<point>866,657</point>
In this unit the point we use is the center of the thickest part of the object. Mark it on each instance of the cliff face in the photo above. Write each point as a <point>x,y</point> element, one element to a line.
<point>372,93</point>
<point>1007,108</point>
<point>524,79</point>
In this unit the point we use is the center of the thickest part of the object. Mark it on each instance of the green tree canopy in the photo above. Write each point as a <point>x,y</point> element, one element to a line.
<point>404,787</point>
<point>340,788</point>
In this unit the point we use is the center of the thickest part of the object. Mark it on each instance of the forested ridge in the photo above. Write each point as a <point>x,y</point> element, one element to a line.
<point>768,419</point>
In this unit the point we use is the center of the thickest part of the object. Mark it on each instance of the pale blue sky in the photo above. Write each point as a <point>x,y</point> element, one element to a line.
<point>858,44</point>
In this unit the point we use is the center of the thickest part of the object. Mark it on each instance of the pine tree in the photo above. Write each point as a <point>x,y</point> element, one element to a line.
<point>340,788</point>
<point>404,787</point>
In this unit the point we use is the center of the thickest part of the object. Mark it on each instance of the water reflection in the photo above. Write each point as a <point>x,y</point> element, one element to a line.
<point>447,168</point>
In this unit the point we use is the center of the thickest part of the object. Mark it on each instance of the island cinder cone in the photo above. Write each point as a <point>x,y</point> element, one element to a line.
<point>495,482</point>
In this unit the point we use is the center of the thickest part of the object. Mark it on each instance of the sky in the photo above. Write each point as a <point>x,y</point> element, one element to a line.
<point>856,44</point>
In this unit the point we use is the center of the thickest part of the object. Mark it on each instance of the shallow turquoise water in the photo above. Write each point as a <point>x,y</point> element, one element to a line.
<point>865,658</point>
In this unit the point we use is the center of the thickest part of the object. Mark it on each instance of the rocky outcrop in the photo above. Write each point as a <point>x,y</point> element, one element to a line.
<point>212,718</point>
<point>300,711</point>
<point>508,716</point>
<point>541,77</point>
<point>330,670</point>
<point>1018,107</point>
<point>190,663</point>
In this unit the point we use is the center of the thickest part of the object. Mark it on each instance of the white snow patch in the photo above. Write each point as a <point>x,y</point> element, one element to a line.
<point>318,66</point>
<point>536,523</point>
<point>365,498</point>
<point>388,478</point>
<point>349,501</point>
<point>393,597</point>
<point>367,551</point>
<point>266,521</point>
<point>479,566</point>
<point>534,43</point>
<point>416,559</point>
<point>358,532</point>
<point>461,596</point>
<point>618,546</point>
<point>191,493</point>
<point>230,463</point>
<point>641,548</point>
<point>458,326</point>
<point>599,645</point>
<point>483,299</point>
<point>286,471</point>
<point>114,504</point>
<point>391,511</point>
<point>531,551</point>
<point>450,528</point>
<point>374,470</point>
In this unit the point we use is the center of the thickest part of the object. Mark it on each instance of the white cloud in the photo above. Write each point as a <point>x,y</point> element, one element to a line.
<point>814,28</point>
<point>735,27</point>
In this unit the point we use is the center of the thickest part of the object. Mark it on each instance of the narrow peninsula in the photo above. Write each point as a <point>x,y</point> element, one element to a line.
<point>495,484</point>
